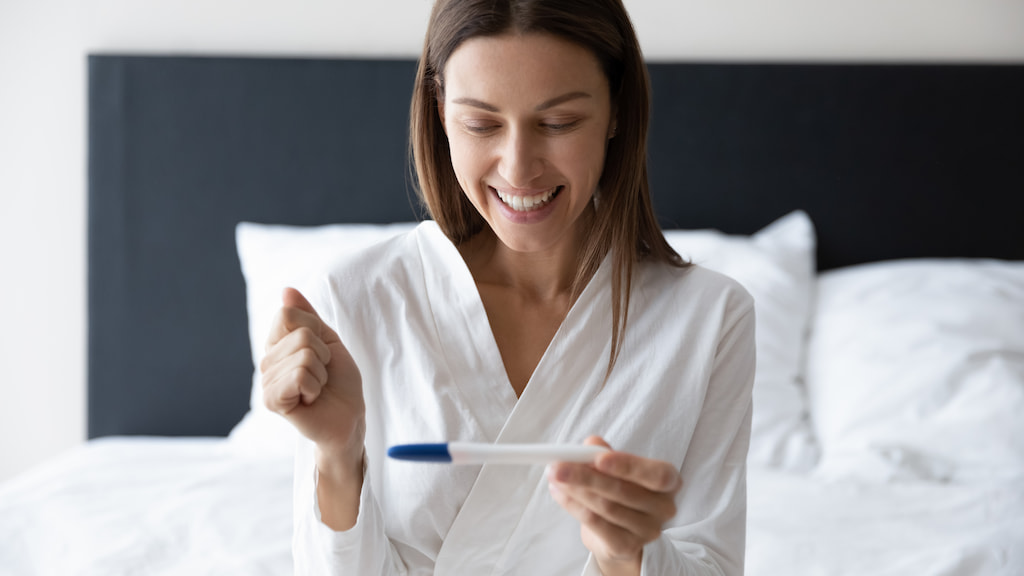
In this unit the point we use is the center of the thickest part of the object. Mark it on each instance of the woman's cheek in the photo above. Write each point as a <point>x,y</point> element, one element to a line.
<point>469,159</point>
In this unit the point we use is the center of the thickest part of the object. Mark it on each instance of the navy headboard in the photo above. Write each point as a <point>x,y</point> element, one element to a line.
<point>890,161</point>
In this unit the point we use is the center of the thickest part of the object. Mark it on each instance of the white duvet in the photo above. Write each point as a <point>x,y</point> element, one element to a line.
<point>799,525</point>
<point>149,506</point>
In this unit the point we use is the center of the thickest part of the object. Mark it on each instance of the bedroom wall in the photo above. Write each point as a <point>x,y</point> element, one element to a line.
<point>43,44</point>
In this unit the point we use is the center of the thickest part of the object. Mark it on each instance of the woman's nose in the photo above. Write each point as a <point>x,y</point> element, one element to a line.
<point>521,159</point>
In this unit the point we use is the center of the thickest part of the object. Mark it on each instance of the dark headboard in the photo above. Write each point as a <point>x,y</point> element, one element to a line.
<point>890,161</point>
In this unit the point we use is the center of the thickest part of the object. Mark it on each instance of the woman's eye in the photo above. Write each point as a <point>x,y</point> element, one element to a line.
<point>560,126</point>
<point>481,128</point>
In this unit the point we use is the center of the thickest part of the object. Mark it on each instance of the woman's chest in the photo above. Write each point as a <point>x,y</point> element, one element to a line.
<point>522,329</point>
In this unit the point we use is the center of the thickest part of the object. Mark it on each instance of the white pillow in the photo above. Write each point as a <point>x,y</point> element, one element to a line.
<point>274,257</point>
<point>777,266</point>
<point>916,370</point>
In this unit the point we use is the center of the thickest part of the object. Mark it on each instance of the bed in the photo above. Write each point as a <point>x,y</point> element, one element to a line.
<point>874,211</point>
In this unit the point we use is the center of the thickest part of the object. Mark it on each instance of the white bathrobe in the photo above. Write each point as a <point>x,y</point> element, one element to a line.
<point>409,312</point>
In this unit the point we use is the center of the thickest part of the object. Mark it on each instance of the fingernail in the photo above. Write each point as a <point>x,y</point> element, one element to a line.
<point>605,464</point>
<point>564,474</point>
<point>557,473</point>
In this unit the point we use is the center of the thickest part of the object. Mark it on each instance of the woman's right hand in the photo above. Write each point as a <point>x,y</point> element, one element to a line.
<point>310,379</point>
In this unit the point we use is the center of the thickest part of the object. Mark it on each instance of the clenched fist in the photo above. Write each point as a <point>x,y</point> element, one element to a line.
<point>310,379</point>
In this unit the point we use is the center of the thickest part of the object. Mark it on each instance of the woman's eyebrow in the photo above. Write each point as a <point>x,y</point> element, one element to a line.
<point>476,104</point>
<point>543,106</point>
<point>562,99</point>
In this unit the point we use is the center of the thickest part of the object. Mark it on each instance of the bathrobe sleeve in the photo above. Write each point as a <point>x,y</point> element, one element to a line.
<point>319,550</point>
<point>379,303</point>
<point>708,534</point>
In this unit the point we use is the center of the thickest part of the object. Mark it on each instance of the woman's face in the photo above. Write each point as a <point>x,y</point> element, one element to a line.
<point>527,119</point>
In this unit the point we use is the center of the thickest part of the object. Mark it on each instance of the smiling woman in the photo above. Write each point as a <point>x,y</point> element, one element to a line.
<point>505,321</point>
<point>582,34</point>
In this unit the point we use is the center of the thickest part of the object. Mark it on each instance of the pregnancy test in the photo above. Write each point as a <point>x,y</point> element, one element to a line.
<point>473,453</point>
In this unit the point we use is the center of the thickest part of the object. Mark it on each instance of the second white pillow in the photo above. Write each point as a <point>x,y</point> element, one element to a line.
<point>777,266</point>
<point>916,370</point>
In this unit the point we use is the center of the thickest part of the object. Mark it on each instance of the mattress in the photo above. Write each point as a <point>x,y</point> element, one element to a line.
<point>145,505</point>
<point>159,506</point>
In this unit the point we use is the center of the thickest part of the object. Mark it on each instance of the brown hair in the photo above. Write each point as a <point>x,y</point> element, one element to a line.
<point>624,221</point>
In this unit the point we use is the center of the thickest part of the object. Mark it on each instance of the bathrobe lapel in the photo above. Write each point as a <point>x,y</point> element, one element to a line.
<point>495,514</point>
<point>466,341</point>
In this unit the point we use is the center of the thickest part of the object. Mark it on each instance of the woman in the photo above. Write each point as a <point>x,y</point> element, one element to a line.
<point>542,304</point>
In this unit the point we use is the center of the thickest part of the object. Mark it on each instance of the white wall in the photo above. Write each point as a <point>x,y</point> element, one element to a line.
<point>43,44</point>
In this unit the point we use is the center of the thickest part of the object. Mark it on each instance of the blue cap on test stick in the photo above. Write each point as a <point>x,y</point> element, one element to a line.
<point>420,452</point>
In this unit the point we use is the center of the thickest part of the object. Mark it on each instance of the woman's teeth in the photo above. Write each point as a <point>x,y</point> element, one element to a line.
<point>527,203</point>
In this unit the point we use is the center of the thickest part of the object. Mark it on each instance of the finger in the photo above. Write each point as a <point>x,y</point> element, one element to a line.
<point>296,340</point>
<point>297,312</point>
<point>581,477</point>
<point>311,362</point>
<point>287,389</point>
<point>297,378</point>
<point>646,526</point>
<point>614,539</point>
<point>288,319</point>
<point>655,475</point>
<point>292,298</point>
<point>305,359</point>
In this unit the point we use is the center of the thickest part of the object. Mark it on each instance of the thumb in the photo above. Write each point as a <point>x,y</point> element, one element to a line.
<point>294,298</point>
<point>597,441</point>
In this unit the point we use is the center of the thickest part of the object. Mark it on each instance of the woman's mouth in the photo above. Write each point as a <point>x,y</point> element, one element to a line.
<point>521,203</point>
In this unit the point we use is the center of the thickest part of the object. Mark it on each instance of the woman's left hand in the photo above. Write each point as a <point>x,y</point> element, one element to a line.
<point>621,500</point>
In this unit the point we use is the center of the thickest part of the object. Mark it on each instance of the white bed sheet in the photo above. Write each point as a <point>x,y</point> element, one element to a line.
<point>150,506</point>
<point>808,526</point>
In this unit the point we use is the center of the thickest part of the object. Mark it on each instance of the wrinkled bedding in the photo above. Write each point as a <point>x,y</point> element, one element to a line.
<point>809,526</point>
<point>156,506</point>
<point>123,506</point>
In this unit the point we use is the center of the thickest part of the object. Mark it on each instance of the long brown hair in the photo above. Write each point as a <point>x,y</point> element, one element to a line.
<point>624,221</point>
